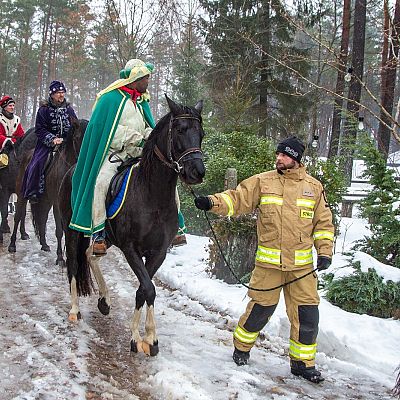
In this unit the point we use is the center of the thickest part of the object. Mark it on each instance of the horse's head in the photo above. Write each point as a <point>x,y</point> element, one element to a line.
<point>185,135</point>
<point>73,142</point>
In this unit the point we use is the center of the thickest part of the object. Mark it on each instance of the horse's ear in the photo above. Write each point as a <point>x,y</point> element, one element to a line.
<point>175,109</point>
<point>199,106</point>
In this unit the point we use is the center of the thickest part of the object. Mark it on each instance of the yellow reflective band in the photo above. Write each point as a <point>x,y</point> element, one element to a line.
<point>244,336</point>
<point>229,203</point>
<point>306,214</point>
<point>271,200</point>
<point>303,257</point>
<point>323,235</point>
<point>302,351</point>
<point>268,255</point>
<point>305,203</point>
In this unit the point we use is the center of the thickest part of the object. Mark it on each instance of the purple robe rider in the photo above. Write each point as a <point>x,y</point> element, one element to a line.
<point>53,124</point>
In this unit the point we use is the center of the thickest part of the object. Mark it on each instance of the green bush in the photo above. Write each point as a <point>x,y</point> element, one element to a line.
<point>329,174</point>
<point>364,293</point>
<point>381,208</point>
<point>243,150</point>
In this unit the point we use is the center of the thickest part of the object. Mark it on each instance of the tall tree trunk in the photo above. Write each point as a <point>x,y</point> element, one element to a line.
<point>350,130</point>
<point>388,77</point>
<point>340,83</point>
<point>39,78</point>
<point>264,70</point>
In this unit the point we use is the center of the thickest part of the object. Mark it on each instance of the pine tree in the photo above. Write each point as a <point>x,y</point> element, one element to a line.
<point>382,208</point>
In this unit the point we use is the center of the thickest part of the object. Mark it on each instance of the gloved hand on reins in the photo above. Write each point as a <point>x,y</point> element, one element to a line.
<point>203,203</point>
<point>323,263</point>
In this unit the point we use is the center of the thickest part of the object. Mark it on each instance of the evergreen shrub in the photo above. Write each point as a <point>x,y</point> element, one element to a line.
<point>242,150</point>
<point>364,293</point>
<point>381,207</point>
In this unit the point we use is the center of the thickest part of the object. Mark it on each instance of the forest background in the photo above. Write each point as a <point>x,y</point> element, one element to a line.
<point>278,67</point>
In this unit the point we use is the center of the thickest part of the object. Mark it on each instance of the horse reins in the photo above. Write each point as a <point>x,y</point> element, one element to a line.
<point>171,161</point>
<point>230,268</point>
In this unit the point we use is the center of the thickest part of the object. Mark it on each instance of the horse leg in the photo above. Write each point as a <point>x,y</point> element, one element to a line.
<point>74,314</point>
<point>4,227</point>
<point>41,212</point>
<point>19,211</point>
<point>104,301</point>
<point>145,293</point>
<point>59,234</point>
<point>22,230</point>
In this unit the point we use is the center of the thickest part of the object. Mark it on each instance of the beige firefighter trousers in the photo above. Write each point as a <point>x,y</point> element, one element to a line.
<point>301,292</point>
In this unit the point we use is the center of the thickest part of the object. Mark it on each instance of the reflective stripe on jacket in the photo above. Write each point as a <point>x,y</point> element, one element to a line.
<point>292,216</point>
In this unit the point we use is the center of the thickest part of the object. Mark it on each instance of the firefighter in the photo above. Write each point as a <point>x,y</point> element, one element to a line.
<point>293,215</point>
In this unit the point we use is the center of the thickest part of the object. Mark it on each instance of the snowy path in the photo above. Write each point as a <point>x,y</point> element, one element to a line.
<point>45,357</point>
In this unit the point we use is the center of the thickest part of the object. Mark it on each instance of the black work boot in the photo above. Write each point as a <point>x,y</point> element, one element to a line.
<point>298,368</point>
<point>241,357</point>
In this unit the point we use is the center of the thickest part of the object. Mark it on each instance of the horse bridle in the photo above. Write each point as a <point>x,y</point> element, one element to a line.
<point>171,160</point>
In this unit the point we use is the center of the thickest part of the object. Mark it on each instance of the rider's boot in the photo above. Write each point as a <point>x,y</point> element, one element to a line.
<point>99,244</point>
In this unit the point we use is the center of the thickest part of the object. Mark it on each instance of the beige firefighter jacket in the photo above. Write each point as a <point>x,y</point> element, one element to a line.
<point>292,216</point>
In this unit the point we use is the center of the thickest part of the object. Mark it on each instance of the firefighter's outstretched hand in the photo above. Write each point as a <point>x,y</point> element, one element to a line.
<point>323,263</point>
<point>203,203</point>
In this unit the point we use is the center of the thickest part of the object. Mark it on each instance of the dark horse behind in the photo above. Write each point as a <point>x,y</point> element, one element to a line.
<point>148,220</point>
<point>63,157</point>
<point>9,178</point>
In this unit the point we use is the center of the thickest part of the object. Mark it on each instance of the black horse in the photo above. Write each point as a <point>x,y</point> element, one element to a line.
<point>9,177</point>
<point>147,222</point>
<point>63,157</point>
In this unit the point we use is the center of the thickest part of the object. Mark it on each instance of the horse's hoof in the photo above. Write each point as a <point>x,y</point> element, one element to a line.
<point>102,305</point>
<point>74,317</point>
<point>154,349</point>
<point>60,262</point>
<point>144,347</point>
<point>45,247</point>
<point>12,249</point>
<point>24,236</point>
<point>6,229</point>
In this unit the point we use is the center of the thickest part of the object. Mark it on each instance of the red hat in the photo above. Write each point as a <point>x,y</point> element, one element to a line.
<point>5,101</point>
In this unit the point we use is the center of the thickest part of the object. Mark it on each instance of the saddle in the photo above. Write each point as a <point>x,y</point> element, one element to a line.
<point>118,186</point>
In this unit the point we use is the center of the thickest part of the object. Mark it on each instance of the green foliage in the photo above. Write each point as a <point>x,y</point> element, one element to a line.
<point>334,182</point>
<point>251,43</point>
<point>381,208</point>
<point>245,151</point>
<point>364,293</point>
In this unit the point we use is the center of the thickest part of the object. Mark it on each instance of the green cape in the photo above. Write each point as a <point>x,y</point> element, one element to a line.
<point>96,143</point>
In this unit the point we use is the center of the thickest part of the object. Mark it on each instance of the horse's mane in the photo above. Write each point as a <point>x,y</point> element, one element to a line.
<point>148,150</point>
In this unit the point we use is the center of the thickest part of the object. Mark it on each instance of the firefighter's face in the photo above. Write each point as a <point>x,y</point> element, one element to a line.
<point>283,162</point>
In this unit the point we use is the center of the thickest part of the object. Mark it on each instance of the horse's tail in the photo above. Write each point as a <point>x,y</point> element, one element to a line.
<point>77,262</point>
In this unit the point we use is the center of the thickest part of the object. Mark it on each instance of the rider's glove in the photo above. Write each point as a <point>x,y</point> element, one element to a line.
<point>203,203</point>
<point>323,263</point>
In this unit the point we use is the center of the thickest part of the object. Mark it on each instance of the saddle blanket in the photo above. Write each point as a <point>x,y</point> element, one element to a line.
<point>114,207</point>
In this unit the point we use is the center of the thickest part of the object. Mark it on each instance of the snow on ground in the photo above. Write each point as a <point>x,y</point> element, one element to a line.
<point>45,357</point>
